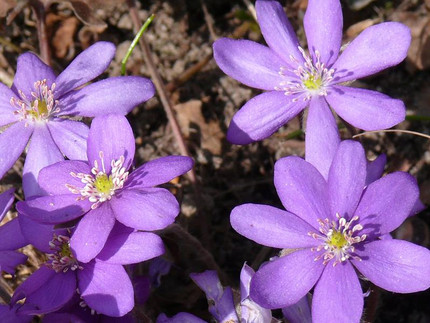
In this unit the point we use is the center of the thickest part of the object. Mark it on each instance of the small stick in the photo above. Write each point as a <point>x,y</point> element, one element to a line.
<point>419,134</point>
<point>39,10</point>
<point>168,108</point>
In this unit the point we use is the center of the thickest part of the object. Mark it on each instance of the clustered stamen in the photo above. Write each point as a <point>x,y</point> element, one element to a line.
<point>314,78</point>
<point>99,186</point>
<point>62,259</point>
<point>338,239</point>
<point>40,106</point>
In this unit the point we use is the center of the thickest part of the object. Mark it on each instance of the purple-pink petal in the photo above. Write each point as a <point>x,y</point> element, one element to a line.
<point>261,116</point>
<point>91,233</point>
<point>365,109</point>
<point>284,281</point>
<point>346,179</point>
<point>277,30</point>
<point>386,203</point>
<point>179,318</point>
<point>11,237</point>
<point>12,142</point>
<point>299,312</point>
<point>302,189</point>
<point>322,136</point>
<point>118,94</point>
<point>42,152</point>
<point>6,200</point>
<point>54,178</point>
<point>6,109</point>
<point>35,233</point>
<point>323,24</point>
<point>30,69</point>
<point>45,291</point>
<point>271,226</point>
<point>71,137</point>
<point>145,209</point>
<point>112,135</point>
<point>395,265</point>
<point>86,66</point>
<point>337,296</point>
<point>53,209</point>
<point>248,62</point>
<point>106,288</point>
<point>159,171</point>
<point>10,259</point>
<point>372,51</point>
<point>375,169</point>
<point>131,248</point>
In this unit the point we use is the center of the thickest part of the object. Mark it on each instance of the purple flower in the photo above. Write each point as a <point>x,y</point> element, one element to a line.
<point>330,229</point>
<point>38,101</point>
<point>10,237</point>
<point>103,283</point>
<point>295,79</point>
<point>104,191</point>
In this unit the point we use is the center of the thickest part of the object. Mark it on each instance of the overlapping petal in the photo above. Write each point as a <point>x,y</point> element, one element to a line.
<point>365,109</point>
<point>35,233</point>
<point>10,259</point>
<point>145,209</point>
<point>322,136</point>
<point>11,237</point>
<point>277,30</point>
<point>249,62</point>
<point>13,141</point>
<point>337,296</point>
<point>113,95</point>
<point>71,137</point>
<point>347,178</point>
<point>386,203</point>
<point>112,135</point>
<point>279,283</point>
<point>261,116</point>
<point>92,232</point>
<point>375,169</point>
<point>372,51</point>
<point>30,69</point>
<point>271,226</point>
<point>159,171</point>
<point>86,66</point>
<point>106,288</point>
<point>54,178</point>
<point>323,24</point>
<point>395,265</point>
<point>42,152</point>
<point>302,189</point>
<point>6,200</point>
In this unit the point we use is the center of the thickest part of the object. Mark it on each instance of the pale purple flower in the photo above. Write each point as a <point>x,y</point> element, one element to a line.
<point>330,229</point>
<point>103,190</point>
<point>103,284</point>
<point>37,103</point>
<point>10,237</point>
<point>294,79</point>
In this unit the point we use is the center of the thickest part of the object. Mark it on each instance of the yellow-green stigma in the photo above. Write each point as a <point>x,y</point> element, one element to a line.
<point>103,183</point>
<point>337,240</point>
<point>41,110</point>
<point>313,82</point>
<point>65,250</point>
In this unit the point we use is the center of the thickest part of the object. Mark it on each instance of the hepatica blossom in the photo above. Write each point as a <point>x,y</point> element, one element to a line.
<point>103,283</point>
<point>330,229</point>
<point>104,191</point>
<point>294,78</point>
<point>38,102</point>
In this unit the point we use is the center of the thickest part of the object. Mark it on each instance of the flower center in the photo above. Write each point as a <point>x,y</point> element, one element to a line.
<point>62,259</point>
<point>337,239</point>
<point>99,186</point>
<point>308,78</point>
<point>40,106</point>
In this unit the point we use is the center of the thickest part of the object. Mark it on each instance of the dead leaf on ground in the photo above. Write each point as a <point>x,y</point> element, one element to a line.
<point>191,121</point>
<point>357,28</point>
<point>5,6</point>
<point>63,39</point>
<point>419,23</point>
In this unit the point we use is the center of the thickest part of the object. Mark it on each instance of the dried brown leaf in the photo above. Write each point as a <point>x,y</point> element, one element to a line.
<point>192,122</point>
<point>86,13</point>
<point>5,6</point>
<point>63,38</point>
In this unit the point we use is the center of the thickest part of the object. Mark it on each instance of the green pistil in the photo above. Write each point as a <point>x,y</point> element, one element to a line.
<point>103,183</point>
<point>42,109</point>
<point>313,83</point>
<point>338,240</point>
<point>65,251</point>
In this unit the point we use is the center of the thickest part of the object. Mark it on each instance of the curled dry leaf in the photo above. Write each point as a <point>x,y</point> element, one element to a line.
<point>63,39</point>
<point>5,6</point>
